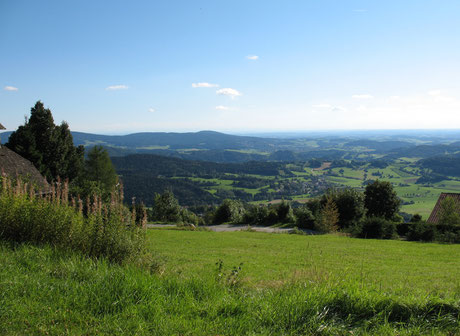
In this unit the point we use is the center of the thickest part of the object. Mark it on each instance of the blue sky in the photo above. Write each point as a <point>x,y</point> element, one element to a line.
<point>127,66</point>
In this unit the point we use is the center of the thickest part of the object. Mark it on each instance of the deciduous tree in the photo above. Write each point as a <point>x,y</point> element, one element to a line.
<point>381,200</point>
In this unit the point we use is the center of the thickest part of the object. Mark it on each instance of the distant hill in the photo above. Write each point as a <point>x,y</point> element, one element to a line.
<point>379,146</point>
<point>197,140</point>
<point>225,148</point>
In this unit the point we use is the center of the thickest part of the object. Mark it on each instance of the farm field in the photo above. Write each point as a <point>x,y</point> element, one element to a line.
<point>305,183</point>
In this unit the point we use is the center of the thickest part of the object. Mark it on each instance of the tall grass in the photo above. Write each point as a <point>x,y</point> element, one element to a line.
<point>45,291</point>
<point>54,217</point>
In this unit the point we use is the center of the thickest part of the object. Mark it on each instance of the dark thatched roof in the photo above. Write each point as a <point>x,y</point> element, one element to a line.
<point>2,127</point>
<point>435,214</point>
<point>14,165</point>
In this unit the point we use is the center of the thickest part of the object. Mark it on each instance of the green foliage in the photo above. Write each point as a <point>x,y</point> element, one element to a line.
<point>328,218</point>
<point>284,212</point>
<point>49,147</point>
<point>416,218</point>
<point>166,208</point>
<point>381,200</point>
<point>99,176</point>
<point>378,227</point>
<point>304,218</point>
<point>229,211</point>
<point>350,206</point>
<point>449,212</point>
<point>107,230</point>
<point>256,215</point>
<point>421,231</point>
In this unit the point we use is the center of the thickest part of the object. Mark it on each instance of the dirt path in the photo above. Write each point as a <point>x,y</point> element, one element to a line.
<point>230,228</point>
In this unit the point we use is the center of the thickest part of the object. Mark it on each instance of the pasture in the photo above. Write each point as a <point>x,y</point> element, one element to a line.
<point>235,283</point>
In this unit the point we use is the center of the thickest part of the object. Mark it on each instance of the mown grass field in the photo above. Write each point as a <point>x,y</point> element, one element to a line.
<point>288,285</point>
<point>274,260</point>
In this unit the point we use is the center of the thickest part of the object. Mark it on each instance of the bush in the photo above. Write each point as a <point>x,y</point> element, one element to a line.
<point>107,230</point>
<point>421,231</point>
<point>229,211</point>
<point>166,208</point>
<point>378,227</point>
<point>284,212</point>
<point>256,215</point>
<point>304,218</point>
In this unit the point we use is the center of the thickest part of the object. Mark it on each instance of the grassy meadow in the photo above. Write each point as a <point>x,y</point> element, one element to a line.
<point>287,285</point>
<point>273,260</point>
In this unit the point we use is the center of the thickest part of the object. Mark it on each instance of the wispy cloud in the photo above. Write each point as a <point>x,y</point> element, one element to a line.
<point>10,88</point>
<point>339,109</point>
<point>116,87</point>
<point>322,106</point>
<point>222,108</point>
<point>252,57</point>
<point>151,110</point>
<point>434,93</point>
<point>229,92</point>
<point>204,85</point>
<point>362,96</point>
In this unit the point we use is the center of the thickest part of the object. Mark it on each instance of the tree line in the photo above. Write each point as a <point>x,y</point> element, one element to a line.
<point>51,149</point>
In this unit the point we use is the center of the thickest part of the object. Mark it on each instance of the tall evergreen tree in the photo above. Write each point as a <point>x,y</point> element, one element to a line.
<point>48,146</point>
<point>99,169</point>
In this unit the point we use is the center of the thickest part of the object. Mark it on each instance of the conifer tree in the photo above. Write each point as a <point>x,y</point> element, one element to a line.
<point>48,146</point>
<point>99,169</point>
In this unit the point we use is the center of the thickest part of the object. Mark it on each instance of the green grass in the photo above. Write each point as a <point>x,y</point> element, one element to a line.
<point>274,259</point>
<point>289,285</point>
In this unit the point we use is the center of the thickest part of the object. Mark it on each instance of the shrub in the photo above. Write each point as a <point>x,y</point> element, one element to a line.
<point>229,211</point>
<point>107,230</point>
<point>284,212</point>
<point>378,227</point>
<point>166,208</point>
<point>421,231</point>
<point>304,218</point>
<point>256,215</point>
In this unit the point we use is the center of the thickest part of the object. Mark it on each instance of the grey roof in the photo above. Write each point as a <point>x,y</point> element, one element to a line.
<point>13,164</point>
<point>2,127</point>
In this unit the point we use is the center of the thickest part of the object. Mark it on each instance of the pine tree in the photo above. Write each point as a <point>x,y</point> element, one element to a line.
<point>328,218</point>
<point>49,147</point>
<point>99,169</point>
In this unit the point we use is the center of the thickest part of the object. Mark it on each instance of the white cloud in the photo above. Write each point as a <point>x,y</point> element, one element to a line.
<point>362,96</point>
<point>339,109</point>
<point>252,57</point>
<point>116,87</point>
<point>151,110</point>
<point>204,85</point>
<point>434,93</point>
<point>228,92</point>
<point>10,88</point>
<point>322,106</point>
<point>222,108</point>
